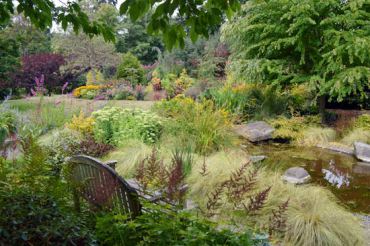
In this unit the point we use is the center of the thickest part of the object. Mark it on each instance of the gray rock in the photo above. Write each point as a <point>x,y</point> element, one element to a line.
<point>256,131</point>
<point>337,148</point>
<point>362,151</point>
<point>296,175</point>
<point>257,158</point>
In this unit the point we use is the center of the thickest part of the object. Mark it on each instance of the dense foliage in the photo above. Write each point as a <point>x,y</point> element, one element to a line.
<point>116,125</point>
<point>161,228</point>
<point>324,43</point>
<point>131,70</point>
<point>136,40</point>
<point>198,125</point>
<point>36,66</point>
<point>35,203</point>
<point>9,61</point>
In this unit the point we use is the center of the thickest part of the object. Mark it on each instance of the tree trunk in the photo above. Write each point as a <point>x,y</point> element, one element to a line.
<point>321,101</point>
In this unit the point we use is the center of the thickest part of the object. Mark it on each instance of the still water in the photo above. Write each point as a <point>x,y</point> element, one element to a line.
<point>347,178</point>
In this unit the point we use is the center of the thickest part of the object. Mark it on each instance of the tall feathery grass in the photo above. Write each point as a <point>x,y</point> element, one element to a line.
<point>359,134</point>
<point>128,156</point>
<point>313,214</point>
<point>198,125</point>
<point>316,135</point>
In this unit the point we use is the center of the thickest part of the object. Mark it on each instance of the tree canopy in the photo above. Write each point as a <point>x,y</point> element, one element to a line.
<point>285,42</point>
<point>199,16</point>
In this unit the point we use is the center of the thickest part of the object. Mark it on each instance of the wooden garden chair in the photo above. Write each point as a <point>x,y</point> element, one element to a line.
<point>100,185</point>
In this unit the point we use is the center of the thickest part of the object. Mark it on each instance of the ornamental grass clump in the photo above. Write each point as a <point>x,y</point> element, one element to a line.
<point>314,136</point>
<point>359,131</point>
<point>198,125</point>
<point>115,125</point>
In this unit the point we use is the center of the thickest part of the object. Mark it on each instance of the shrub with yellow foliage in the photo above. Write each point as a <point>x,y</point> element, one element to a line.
<point>82,91</point>
<point>81,123</point>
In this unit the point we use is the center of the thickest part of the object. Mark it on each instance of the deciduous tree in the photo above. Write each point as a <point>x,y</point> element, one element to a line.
<point>34,66</point>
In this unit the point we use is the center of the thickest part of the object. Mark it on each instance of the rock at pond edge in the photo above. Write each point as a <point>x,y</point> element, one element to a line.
<point>255,131</point>
<point>296,175</point>
<point>362,151</point>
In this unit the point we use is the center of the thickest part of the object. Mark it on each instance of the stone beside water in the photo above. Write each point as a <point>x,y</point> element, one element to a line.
<point>257,158</point>
<point>362,151</point>
<point>337,148</point>
<point>296,175</point>
<point>256,131</point>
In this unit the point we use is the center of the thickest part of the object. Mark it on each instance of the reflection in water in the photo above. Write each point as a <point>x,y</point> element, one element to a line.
<point>335,176</point>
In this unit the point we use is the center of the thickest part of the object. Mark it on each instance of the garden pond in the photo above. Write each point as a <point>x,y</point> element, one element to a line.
<point>347,178</point>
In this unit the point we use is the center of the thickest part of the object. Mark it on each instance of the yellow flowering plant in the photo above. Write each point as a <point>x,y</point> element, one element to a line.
<point>83,90</point>
<point>81,123</point>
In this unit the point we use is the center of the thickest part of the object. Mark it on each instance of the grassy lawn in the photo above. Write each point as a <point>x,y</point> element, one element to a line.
<point>75,104</point>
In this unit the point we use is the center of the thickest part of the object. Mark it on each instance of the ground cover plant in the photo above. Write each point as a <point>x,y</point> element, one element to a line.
<point>180,229</point>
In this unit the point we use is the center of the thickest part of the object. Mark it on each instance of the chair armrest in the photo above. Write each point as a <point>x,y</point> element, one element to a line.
<point>112,164</point>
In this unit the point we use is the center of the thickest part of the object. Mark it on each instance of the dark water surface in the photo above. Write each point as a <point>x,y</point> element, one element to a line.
<point>347,178</point>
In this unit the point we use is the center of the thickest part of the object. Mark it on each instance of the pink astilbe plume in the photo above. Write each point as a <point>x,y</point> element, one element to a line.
<point>33,92</point>
<point>64,87</point>
<point>39,88</point>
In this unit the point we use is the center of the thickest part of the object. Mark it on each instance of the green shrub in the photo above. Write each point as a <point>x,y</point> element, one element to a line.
<point>293,128</point>
<point>301,99</point>
<point>116,125</point>
<point>165,228</point>
<point>7,125</point>
<point>35,203</point>
<point>242,100</point>
<point>250,100</point>
<point>94,77</point>
<point>60,144</point>
<point>253,100</point>
<point>39,219</point>
<point>90,95</point>
<point>131,70</point>
<point>167,84</point>
<point>197,125</point>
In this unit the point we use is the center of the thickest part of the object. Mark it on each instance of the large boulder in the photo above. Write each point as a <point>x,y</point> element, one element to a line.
<point>256,131</point>
<point>296,175</point>
<point>362,151</point>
